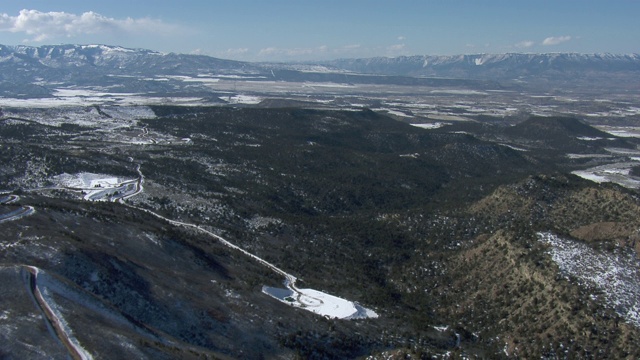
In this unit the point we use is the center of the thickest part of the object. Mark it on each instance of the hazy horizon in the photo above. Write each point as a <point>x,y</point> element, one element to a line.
<point>289,30</point>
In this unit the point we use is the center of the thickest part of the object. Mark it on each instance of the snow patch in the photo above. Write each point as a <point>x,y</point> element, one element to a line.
<point>99,187</point>
<point>621,131</point>
<point>513,147</point>
<point>587,138</point>
<point>616,275</point>
<point>587,156</point>
<point>618,173</point>
<point>86,180</point>
<point>396,112</point>
<point>320,303</point>
<point>435,125</point>
<point>242,99</point>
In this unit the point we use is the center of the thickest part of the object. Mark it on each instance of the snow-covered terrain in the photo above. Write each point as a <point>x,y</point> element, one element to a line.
<point>312,300</point>
<point>434,125</point>
<point>242,99</point>
<point>89,97</point>
<point>395,112</point>
<point>618,173</point>
<point>320,303</point>
<point>621,131</point>
<point>107,117</point>
<point>86,180</point>
<point>615,275</point>
<point>98,187</point>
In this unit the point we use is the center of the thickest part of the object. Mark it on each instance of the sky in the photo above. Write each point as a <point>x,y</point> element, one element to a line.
<point>302,30</point>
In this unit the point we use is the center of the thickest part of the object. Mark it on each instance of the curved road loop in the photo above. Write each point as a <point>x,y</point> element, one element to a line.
<point>15,214</point>
<point>290,280</point>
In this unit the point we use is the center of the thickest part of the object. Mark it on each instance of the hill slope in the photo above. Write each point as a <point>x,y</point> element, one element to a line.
<point>433,230</point>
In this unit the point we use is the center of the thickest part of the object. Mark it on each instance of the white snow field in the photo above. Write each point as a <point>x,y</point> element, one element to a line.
<point>98,187</point>
<point>615,275</point>
<point>320,303</point>
<point>86,180</point>
<point>435,125</point>
<point>242,99</point>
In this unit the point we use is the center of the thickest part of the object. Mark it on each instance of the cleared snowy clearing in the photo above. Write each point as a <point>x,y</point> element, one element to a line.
<point>242,99</point>
<point>99,187</point>
<point>86,180</point>
<point>616,275</point>
<point>320,303</point>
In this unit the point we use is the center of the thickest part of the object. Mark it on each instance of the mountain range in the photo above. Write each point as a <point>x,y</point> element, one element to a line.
<point>28,68</point>
<point>502,66</point>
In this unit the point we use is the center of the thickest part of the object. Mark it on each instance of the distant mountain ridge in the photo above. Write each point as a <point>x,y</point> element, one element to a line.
<point>492,65</point>
<point>114,58</point>
<point>27,71</point>
<point>474,65</point>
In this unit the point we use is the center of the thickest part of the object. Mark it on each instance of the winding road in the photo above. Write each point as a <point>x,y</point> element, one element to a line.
<point>290,280</point>
<point>15,214</point>
<point>62,331</point>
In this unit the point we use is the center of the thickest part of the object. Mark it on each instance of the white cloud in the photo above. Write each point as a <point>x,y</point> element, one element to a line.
<point>41,26</point>
<point>525,44</point>
<point>401,38</point>
<point>555,40</point>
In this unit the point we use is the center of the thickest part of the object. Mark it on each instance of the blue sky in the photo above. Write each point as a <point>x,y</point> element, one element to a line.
<point>275,30</point>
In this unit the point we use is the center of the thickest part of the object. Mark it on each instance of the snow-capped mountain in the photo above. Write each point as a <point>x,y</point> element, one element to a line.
<point>140,61</point>
<point>492,65</point>
<point>112,59</point>
<point>27,71</point>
